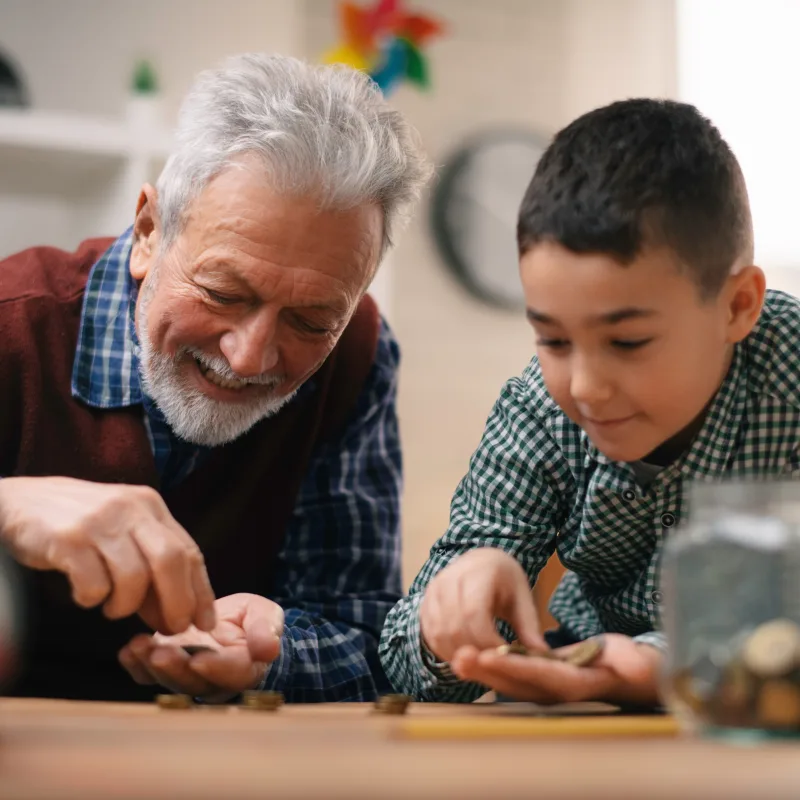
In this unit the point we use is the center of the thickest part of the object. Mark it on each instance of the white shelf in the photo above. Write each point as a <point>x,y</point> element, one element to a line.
<point>78,134</point>
<point>66,176</point>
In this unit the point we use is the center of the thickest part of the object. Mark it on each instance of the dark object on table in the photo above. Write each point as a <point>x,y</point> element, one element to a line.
<point>11,621</point>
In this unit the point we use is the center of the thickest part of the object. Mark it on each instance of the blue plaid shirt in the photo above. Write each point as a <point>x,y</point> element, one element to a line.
<point>335,592</point>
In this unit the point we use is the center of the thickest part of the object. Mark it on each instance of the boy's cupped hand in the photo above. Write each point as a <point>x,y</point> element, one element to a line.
<point>458,617</point>
<point>624,673</point>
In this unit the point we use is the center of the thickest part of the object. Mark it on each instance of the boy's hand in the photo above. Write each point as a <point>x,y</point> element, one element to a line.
<point>624,673</point>
<point>463,601</point>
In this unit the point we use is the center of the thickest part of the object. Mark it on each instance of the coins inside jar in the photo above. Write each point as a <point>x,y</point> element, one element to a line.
<point>773,649</point>
<point>755,685</point>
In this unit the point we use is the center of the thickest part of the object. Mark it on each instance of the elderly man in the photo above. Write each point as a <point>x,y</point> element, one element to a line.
<point>206,406</point>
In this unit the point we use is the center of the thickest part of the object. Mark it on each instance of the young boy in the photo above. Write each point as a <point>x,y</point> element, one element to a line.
<point>660,360</point>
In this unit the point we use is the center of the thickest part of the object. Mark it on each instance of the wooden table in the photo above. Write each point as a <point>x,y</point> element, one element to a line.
<point>55,749</point>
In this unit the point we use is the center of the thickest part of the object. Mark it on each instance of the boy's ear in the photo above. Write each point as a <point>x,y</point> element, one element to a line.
<point>146,233</point>
<point>744,297</point>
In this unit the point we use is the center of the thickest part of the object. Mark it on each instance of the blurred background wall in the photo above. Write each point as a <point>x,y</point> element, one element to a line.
<point>531,63</point>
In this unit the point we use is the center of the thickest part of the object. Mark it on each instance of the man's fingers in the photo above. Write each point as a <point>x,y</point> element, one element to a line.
<point>171,667</point>
<point>263,628</point>
<point>87,574</point>
<point>171,570</point>
<point>135,666</point>
<point>231,668</point>
<point>205,616</point>
<point>130,576</point>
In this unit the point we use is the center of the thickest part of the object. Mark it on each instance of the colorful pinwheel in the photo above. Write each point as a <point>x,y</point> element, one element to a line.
<point>385,41</point>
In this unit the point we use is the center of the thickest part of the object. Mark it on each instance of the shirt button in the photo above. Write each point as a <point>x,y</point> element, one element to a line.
<point>629,495</point>
<point>657,597</point>
<point>667,520</point>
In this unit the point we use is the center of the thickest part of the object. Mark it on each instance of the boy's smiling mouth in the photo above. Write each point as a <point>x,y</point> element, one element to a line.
<point>609,422</point>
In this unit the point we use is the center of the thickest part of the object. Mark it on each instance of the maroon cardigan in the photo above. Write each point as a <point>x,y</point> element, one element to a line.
<point>236,505</point>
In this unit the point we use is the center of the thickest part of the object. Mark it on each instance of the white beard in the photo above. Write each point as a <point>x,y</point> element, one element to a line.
<point>192,415</point>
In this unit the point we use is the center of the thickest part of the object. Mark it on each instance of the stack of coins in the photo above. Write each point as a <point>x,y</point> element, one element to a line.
<point>755,685</point>
<point>262,701</point>
<point>392,703</point>
<point>586,653</point>
<point>174,701</point>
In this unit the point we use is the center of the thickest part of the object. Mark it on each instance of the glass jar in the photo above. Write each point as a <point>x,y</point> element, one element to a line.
<point>731,585</point>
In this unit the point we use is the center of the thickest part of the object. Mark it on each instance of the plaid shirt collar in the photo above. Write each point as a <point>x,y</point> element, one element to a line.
<point>105,373</point>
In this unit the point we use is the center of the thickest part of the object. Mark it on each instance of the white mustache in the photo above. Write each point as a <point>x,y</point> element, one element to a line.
<point>223,369</point>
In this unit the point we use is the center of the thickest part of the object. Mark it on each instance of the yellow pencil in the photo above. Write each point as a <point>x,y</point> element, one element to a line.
<point>537,728</point>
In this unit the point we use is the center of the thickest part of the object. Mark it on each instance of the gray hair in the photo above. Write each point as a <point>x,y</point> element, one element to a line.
<point>321,130</point>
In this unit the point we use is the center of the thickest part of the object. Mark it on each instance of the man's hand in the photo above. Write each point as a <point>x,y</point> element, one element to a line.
<point>624,673</point>
<point>463,601</point>
<point>117,544</point>
<point>246,640</point>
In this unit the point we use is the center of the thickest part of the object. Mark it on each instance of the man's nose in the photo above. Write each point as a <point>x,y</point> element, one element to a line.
<point>251,346</point>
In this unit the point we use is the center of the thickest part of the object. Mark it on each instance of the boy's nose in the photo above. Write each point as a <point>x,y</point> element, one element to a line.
<point>588,387</point>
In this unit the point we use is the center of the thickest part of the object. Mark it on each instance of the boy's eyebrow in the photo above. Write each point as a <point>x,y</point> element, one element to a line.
<point>611,318</point>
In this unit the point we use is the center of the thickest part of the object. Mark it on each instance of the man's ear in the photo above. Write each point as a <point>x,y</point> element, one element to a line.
<point>744,299</point>
<point>146,233</point>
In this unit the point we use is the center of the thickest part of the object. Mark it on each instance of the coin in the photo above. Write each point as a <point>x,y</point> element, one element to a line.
<point>174,701</point>
<point>683,686</point>
<point>778,705</point>
<point>192,649</point>
<point>585,653</point>
<point>393,703</point>
<point>737,687</point>
<point>514,647</point>
<point>733,703</point>
<point>262,701</point>
<point>519,649</point>
<point>773,649</point>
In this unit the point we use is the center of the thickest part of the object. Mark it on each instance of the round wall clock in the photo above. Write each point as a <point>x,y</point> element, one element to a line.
<point>474,210</point>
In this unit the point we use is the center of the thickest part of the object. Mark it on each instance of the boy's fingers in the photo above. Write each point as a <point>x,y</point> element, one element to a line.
<point>466,664</point>
<point>524,620</point>
<point>475,608</point>
<point>552,678</point>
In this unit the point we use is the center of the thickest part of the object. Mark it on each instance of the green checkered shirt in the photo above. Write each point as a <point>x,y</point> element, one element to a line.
<point>536,485</point>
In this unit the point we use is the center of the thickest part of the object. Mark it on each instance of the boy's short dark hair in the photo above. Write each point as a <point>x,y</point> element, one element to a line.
<point>639,174</point>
